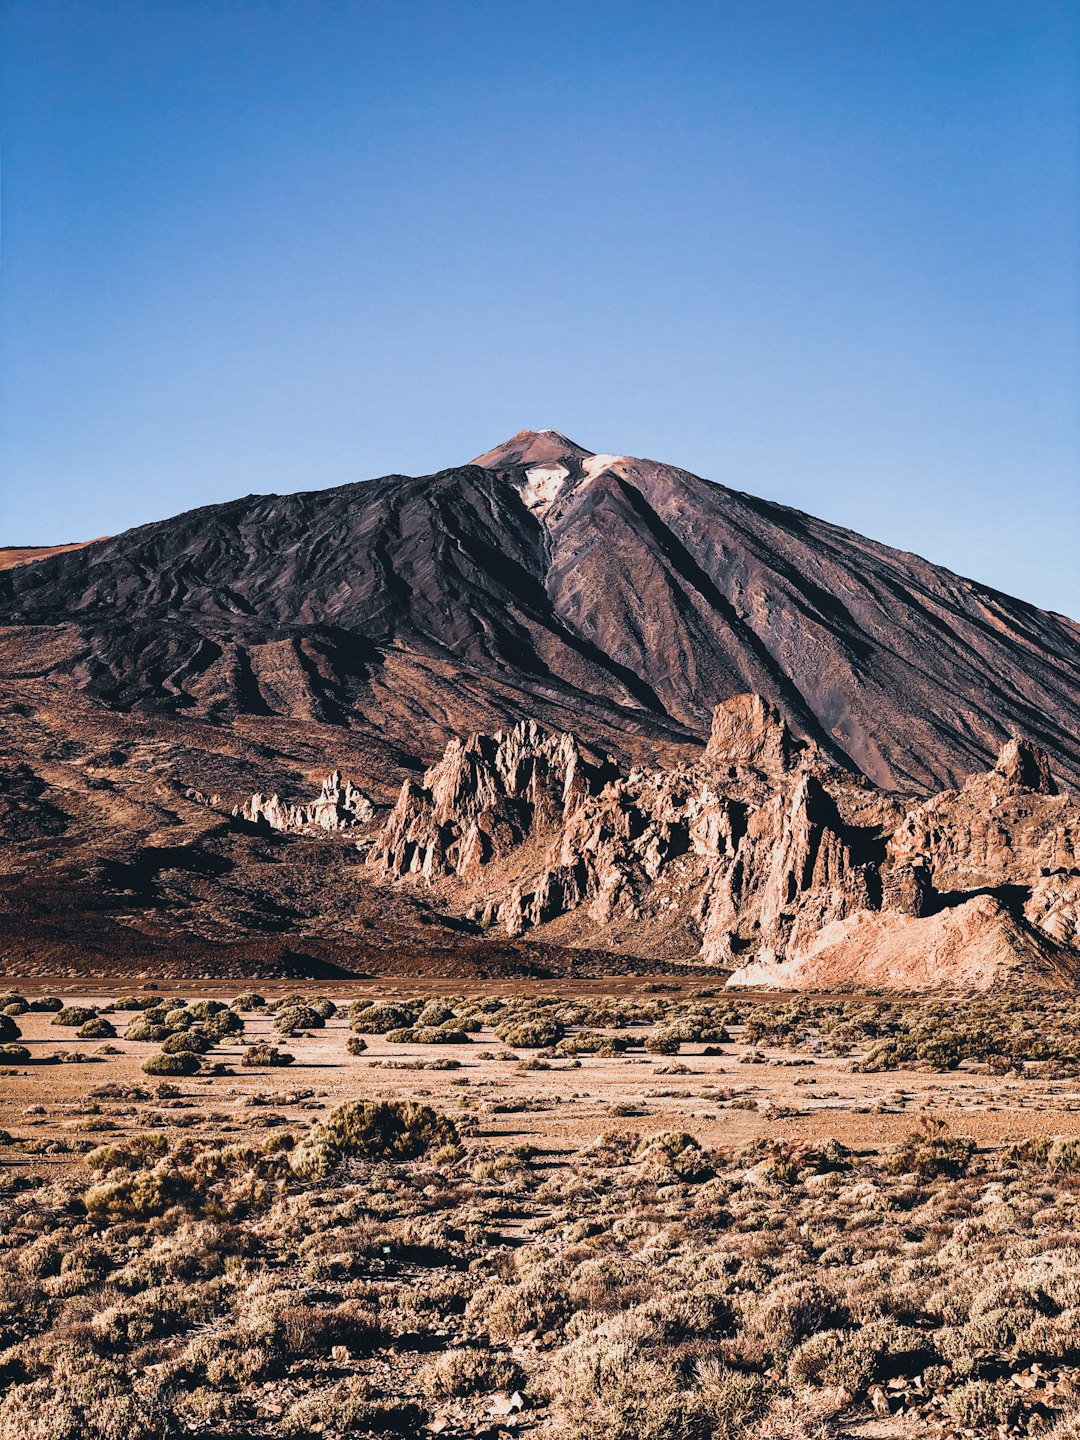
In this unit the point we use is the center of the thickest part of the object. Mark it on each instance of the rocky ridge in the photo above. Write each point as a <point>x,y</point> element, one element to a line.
<point>790,869</point>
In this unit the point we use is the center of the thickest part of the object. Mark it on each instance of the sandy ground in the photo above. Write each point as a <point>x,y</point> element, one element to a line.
<point>719,1098</point>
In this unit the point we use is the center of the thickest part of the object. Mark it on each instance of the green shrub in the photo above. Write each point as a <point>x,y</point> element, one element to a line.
<point>322,1005</point>
<point>439,1035</point>
<point>590,1042</point>
<point>204,1009</point>
<point>249,1000</point>
<point>265,1056</point>
<point>381,1016</point>
<point>356,1045</point>
<point>144,1028</point>
<point>531,1034</point>
<point>14,1055</point>
<point>192,1042</point>
<point>184,1063</point>
<point>74,1015</point>
<point>297,1017</point>
<point>435,1013</point>
<point>222,1023</point>
<point>8,1029</point>
<point>47,1004</point>
<point>97,1029</point>
<point>371,1130</point>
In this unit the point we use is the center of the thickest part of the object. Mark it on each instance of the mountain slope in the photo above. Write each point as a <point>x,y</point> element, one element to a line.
<point>617,598</point>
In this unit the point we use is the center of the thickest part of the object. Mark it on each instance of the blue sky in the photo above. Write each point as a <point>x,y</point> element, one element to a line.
<point>822,250</point>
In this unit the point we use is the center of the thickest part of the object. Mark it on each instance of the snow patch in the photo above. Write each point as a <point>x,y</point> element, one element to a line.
<point>596,464</point>
<point>543,484</point>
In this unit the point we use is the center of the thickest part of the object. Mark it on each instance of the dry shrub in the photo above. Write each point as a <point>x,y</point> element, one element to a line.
<point>1057,1153</point>
<point>84,1398</point>
<point>981,1404</point>
<point>929,1152</point>
<point>264,1056</point>
<point>469,1371</point>
<point>371,1130</point>
<point>349,1406</point>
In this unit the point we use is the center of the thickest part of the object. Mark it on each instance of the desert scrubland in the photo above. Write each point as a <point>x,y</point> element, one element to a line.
<point>630,1208</point>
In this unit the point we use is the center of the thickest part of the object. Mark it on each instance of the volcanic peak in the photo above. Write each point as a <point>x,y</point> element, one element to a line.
<point>532,447</point>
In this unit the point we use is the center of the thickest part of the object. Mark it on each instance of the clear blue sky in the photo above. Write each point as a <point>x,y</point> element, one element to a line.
<point>822,250</point>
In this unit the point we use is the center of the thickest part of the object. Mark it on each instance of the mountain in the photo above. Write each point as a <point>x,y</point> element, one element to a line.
<point>174,698</point>
<point>617,598</point>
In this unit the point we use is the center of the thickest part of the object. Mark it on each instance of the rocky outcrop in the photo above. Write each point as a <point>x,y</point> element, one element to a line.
<point>792,874</point>
<point>338,806</point>
<point>484,799</point>
<point>787,867</point>
<point>973,946</point>
<point>748,733</point>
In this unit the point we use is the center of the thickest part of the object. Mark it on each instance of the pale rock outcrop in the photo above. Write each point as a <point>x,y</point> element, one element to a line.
<point>484,798</point>
<point>972,946</point>
<point>792,874</point>
<point>338,806</point>
<point>1005,827</point>
<point>789,868</point>
<point>748,733</point>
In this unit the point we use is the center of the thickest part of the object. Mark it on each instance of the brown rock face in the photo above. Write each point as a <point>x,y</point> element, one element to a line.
<point>1025,767</point>
<point>801,722</point>
<point>789,870</point>
<point>750,734</point>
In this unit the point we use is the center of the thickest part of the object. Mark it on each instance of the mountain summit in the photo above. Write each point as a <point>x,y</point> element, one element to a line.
<point>617,598</point>
<point>532,447</point>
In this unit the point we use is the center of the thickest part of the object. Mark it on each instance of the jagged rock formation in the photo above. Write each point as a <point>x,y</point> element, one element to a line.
<point>338,806</point>
<point>484,798</point>
<point>792,870</point>
<point>616,598</point>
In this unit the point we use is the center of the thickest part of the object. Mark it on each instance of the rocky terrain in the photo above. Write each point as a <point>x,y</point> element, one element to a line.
<point>788,869</point>
<point>680,726</point>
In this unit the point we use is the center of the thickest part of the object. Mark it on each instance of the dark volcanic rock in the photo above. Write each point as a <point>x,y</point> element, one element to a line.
<point>617,598</point>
